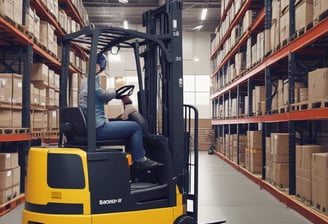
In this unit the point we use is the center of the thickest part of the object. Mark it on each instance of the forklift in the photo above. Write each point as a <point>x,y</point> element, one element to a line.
<point>82,181</point>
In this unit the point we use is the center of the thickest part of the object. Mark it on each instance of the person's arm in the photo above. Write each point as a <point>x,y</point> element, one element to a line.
<point>103,95</point>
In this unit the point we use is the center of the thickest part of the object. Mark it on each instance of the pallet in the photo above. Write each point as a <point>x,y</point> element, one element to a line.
<point>300,106</point>
<point>279,186</point>
<point>10,205</point>
<point>318,103</point>
<point>320,208</point>
<point>282,110</point>
<point>14,130</point>
<point>304,200</point>
<point>318,19</point>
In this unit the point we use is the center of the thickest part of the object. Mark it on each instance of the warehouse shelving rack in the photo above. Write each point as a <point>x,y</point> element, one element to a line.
<point>16,36</point>
<point>290,57</point>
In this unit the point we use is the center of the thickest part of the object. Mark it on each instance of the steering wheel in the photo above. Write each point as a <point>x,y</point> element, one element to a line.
<point>126,90</point>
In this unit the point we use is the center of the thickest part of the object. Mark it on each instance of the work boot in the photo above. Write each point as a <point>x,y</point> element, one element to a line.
<point>145,163</point>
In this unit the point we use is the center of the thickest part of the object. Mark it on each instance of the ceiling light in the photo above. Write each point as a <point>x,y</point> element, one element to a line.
<point>123,1</point>
<point>126,24</point>
<point>198,27</point>
<point>204,13</point>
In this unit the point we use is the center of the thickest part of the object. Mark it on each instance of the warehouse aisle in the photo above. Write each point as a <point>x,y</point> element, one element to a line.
<point>224,194</point>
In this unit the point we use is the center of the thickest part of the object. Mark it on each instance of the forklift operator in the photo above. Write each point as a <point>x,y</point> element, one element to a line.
<point>107,130</point>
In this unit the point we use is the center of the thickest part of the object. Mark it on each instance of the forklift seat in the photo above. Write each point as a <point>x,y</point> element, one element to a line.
<point>74,127</point>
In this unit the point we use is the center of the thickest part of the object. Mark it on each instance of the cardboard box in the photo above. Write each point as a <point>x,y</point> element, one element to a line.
<point>50,100</point>
<point>279,143</point>
<point>39,120</point>
<point>304,96</point>
<point>40,73</point>
<point>7,8</point>
<point>320,165</point>
<point>5,118</point>
<point>320,179</point>
<point>304,188</point>
<point>47,32</point>
<point>304,168</point>
<point>6,87</point>
<point>5,195</point>
<point>284,4</point>
<point>16,119</point>
<point>6,179</point>
<point>5,161</point>
<point>284,25</point>
<point>304,158</point>
<point>303,14</point>
<point>53,119</point>
<point>319,7</point>
<point>281,174</point>
<point>254,139</point>
<point>17,89</point>
<point>298,85</point>
<point>319,193</point>
<point>35,95</point>
<point>280,93</point>
<point>18,11</point>
<point>276,9</point>
<point>318,84</point>
<point>16,175</point>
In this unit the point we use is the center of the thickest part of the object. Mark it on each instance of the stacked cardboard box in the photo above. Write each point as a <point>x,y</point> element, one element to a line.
<point>234,148</point>
<point>320,181</point>
<point>318,83</point>
<point>275,25</point>
<point>33,23</point>
<point>7,8</point>
<point>258,98</point>
<point>304,169</point>
<point>9,177</point>
<point>219,145</point>
<point>10,95</point>
<point>53,119</point>
<point>280,161</point>
<point>48,37</point>
<point>284,24</point>
<point>285,91</point>
<point>39,120</point>
<point>268,159</point>
<point>74,94</point>
<point>319,7</point>
<point>10,88</point>
<point>303,13</point>
<point>227,145</point>
<point>253,156</point>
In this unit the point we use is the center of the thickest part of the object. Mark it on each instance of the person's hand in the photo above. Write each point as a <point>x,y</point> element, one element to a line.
<point>126,100</point>
<point>128,109</point>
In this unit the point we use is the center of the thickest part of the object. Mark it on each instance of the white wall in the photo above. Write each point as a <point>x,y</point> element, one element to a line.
<point>196,70</point>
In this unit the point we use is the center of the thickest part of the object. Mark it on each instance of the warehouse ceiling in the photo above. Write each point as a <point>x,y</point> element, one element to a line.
<point>104,12</point>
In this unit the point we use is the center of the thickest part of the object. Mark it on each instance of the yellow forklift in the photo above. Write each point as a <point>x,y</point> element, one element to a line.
<point>82,181</point>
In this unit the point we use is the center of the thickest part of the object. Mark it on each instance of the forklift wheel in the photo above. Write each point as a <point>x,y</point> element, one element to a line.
<point>184,219</point>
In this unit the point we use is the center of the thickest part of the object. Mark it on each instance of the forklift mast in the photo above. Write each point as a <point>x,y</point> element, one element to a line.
<point>163,93</point>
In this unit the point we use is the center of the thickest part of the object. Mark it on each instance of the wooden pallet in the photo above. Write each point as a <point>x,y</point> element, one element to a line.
<point>279,186</point>
<point>300,106</point>
<point>304,200</point>
<point>14,130</point>
<point>318,19</point>
<point>8,206</point>
<point>318,103</point>
<point>320,208</point>
<point>282,110</point>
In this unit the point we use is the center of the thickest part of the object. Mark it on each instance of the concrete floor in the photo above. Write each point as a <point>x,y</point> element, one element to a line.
<point>224,194</point>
